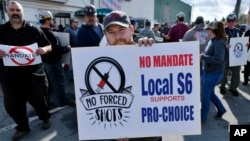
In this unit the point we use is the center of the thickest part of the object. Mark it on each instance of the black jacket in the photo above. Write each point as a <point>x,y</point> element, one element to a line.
<point>26,35</point>
<point>57,49</point>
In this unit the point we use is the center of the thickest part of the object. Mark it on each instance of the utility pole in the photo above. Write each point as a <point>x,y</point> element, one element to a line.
<point>248,16</point>
<point>237,8</point>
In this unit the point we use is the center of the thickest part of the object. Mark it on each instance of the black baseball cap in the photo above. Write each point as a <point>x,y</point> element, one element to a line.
<point>231,17</point>
<point>90,10</point>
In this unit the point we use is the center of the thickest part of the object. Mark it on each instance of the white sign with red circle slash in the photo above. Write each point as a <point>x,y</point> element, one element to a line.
<point>20,55</point>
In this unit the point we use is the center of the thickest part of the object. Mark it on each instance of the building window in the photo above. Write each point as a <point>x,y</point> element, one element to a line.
<point>62,20</point>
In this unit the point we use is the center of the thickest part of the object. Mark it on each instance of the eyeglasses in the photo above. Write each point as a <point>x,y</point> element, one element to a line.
<point>75,21</point>
<point>231,21</point>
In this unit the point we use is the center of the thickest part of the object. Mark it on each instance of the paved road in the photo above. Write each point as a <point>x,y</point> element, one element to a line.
<point>64,121</point>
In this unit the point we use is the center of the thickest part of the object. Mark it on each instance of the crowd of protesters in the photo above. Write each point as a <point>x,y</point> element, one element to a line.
<point>47,77</point>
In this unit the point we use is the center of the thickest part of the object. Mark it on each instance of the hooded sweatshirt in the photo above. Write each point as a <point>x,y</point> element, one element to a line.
<point>197,33</point>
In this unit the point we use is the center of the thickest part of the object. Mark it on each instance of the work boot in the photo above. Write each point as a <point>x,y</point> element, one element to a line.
<point>46,124</point>
<point>19,135</point>
<point>234,92</point>
<point>222,91</point>
<point>245,83</point>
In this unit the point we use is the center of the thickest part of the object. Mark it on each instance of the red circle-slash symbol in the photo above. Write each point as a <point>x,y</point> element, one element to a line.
<point>15,50</point>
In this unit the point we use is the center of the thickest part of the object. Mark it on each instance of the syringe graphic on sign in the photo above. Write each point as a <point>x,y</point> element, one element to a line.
<point>103,81</point>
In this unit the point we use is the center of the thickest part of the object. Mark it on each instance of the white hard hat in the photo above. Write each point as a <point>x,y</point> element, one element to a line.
<point>45,15</point>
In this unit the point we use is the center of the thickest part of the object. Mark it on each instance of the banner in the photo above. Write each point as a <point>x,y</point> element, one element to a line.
<point>20,55</point>
<point>238,51</point>
<point>110,4</point>
<point>131,91</point>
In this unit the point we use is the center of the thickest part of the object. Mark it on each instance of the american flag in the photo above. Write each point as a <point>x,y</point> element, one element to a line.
<point>111,4</point>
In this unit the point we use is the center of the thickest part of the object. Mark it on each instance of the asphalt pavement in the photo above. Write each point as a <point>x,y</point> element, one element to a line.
<point>64,120</point>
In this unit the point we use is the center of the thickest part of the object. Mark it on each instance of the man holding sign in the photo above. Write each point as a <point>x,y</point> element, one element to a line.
<point>119,31</point>
<point>26,82</point>
<point>136,92</point>
<point>231,32</point>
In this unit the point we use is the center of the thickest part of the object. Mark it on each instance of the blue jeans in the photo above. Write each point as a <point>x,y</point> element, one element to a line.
<point>209,81</point>
<point>55,75</point>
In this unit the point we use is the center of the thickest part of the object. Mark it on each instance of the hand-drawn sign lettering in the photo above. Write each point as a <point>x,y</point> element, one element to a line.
<point>114,65</point>
<point>22,59</point>
<point>106,98</point>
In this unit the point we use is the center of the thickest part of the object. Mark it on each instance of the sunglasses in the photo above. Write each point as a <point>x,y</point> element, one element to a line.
<point>231,21</point>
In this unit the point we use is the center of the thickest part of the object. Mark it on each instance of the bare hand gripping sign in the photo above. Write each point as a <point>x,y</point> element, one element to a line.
<point>131,91</point>
<point>106,102</point>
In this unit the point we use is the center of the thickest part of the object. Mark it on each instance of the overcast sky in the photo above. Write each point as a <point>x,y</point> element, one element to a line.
<point>211,9</point>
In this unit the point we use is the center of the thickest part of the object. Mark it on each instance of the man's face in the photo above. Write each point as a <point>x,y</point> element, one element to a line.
<point>156,27</point>
<point>50,22</point>
<point>119,35</point>
<point>74,24</point>
<point>210,32</point>
<point>90,20</point>
<point>15,12</point>
<point>231,24</point>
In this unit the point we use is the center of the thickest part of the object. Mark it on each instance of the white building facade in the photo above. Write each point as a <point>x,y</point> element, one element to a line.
<point>65,9</point>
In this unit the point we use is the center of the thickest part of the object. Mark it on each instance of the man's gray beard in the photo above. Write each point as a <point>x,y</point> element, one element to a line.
<point>91,24</point>
<point>16,20</point>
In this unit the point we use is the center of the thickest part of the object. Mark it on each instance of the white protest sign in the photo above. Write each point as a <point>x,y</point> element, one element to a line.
<point>238,51</point>
<point>131,91</point>
<point>64,40</point>
<point>20,55</point>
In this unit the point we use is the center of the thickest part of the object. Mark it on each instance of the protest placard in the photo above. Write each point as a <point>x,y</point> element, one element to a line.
<point>64,40</point>
<point>238,51</point>
<point>131,91</point>
<point>20,55</point>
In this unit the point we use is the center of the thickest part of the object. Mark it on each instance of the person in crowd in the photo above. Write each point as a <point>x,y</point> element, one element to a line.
<point>91,32</point>
<point>55,28</point>
<point>60,28</point>
<point>191,25</point>
<point>26,83</point>
<point>231,31</point>
<point>164,31</point>
<point>247,66</point>
<point>147,32</point>
<point>240,28</point>
<point>198,33</point>
<point>178,30</point>
<point>111,20</point>
<point>156,30</point>
<point>52,63</point>
<point>72,29</point>
<point>214,60</point>
<point>136,37</point>
<point>119,31</point>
